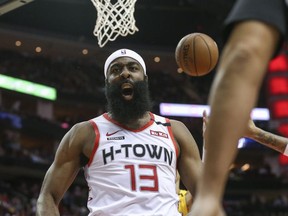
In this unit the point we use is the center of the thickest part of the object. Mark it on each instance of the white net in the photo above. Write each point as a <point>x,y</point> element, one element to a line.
<point>114,20</point>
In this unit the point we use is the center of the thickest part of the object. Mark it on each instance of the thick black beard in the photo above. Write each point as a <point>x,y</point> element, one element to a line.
<point>125,111</point>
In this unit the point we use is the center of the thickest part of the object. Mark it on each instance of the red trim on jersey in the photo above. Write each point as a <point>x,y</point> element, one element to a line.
<point>126,128</point>
<point>96,143</point>
<point>172,137</point>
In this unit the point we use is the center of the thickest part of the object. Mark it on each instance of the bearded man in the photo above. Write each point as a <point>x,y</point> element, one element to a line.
<point>132,154</point>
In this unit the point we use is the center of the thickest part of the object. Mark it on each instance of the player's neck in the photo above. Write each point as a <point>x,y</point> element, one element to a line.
<point>135,123</point>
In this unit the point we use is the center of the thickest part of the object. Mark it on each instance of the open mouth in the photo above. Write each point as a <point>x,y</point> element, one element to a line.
<point>127,91</point>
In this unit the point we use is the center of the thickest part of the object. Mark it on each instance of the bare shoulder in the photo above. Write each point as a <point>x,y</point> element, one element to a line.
<point>79,139</point>
<point>179,128</point>
<point>82,131</point>
<point>183,137</point>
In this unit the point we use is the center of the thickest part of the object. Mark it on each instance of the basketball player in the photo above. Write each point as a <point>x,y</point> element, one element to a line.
<point>130,155</point>
<point>255,31</point>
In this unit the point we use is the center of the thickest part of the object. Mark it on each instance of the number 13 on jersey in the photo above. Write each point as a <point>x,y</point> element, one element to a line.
<point>134,176</point>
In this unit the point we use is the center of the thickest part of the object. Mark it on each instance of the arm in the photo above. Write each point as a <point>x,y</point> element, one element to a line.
<point>189,162</point>
<point>64,169</point>
<point>185,198</point>
<point>253,132</point>
<point>266,138</point>
<point>205,119</point>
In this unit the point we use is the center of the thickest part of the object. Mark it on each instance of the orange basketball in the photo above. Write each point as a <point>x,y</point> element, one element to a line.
<point>196,54</point>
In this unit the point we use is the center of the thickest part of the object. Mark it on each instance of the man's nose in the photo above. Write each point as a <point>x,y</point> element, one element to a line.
<point>125,73</point>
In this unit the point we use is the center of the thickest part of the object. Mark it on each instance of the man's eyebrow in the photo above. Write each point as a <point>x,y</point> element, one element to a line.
<point>121,64</point>
<point>115,64</point>
<point>133,63</point>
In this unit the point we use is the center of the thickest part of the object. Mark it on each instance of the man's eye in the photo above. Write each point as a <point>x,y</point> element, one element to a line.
<point>134,68</point>
<point>115,70</point>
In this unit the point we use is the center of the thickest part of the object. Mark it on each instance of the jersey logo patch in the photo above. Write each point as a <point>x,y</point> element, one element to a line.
<point>116,138</point>
<point>158,133</point>
<point>110,134</point>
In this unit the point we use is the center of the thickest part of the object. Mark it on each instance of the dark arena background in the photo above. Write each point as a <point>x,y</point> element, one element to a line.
<point>51,42</point>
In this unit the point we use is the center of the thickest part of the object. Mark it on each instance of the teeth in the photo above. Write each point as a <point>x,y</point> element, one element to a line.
<point>126,85</point>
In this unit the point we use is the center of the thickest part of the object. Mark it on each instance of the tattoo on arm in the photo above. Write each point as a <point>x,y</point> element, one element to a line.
<point>273,141</point>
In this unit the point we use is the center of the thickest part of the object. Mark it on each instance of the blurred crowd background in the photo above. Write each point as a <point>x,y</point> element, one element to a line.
<point>30,135</point>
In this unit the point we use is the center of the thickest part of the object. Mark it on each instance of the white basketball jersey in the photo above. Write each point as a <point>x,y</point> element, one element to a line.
<point>132,172</point>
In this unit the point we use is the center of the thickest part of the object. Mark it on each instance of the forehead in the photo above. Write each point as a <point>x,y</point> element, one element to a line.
<point>124,60</point>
